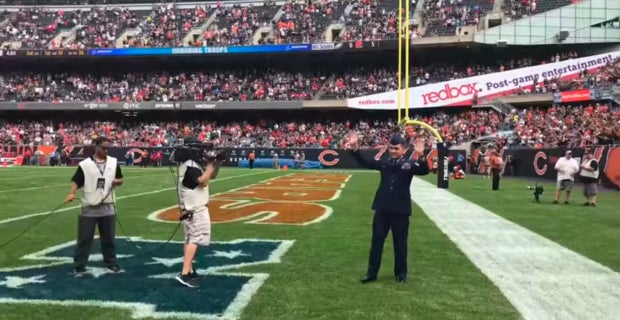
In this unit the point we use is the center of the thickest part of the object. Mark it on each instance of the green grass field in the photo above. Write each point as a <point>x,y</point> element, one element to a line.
<point>317,277</point>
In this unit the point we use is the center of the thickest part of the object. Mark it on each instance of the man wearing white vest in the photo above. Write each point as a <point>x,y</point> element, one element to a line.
<point>194,198</point>
<point>97,176</point>
<point>589,176</point>
<point>566,167</point>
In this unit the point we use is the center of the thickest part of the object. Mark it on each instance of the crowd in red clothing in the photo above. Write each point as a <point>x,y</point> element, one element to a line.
<point>255,84</point>
<point>456,128</point>
<point>306,22</point>
<point>573,126</point>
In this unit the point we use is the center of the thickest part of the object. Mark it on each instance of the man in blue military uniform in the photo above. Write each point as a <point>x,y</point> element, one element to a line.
<point>392,203</point>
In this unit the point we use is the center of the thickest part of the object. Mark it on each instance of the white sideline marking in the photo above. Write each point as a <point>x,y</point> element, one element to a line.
<point>67,184</point>
<point>542,279</point>
<point>27,216</point>
<point>34,188</point>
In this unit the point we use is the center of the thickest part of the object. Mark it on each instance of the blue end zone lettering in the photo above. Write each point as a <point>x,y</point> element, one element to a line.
<point>147,287</point>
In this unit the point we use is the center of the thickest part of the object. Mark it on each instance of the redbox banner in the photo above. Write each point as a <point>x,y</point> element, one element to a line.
<point>462,92</point>
<point>576,96</point>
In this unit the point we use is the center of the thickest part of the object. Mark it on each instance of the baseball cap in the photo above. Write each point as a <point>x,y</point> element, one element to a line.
<point>397,139</point>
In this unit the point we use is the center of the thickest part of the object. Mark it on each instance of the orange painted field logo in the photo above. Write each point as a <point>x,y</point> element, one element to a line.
<point>290,199</point>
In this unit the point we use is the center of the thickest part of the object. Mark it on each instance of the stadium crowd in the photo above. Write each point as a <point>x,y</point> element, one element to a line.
<point>252,84</point>
<point>293,22</point>
<point>573,126</point>
<point>167,25</point>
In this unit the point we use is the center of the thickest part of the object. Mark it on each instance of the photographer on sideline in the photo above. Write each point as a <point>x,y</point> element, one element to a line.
<point>589,177</point>
<point>566,167</point>
<point>194,198</point>
<point>98,175</point>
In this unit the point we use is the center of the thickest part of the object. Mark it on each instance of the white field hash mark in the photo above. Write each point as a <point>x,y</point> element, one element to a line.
<point>542,279</point>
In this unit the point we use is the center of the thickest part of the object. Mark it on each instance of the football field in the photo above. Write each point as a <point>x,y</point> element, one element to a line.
<point>293,245</point>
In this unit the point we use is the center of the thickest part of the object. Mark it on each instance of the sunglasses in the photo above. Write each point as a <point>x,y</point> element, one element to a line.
<point>104,148</point>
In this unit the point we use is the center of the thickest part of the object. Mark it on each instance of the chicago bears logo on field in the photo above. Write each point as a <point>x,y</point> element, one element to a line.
<point>147,287</point>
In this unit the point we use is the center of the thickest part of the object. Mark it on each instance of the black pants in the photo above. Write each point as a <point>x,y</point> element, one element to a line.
<point>495,174</point>
<point>251,162</point>
<point>381,226</point>
<point>86,233</point>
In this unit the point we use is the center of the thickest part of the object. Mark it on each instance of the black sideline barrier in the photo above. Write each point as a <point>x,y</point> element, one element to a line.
<point>539,163</point>
<point>532,163</point>
<point>328,158</point>
<point>237,157</point>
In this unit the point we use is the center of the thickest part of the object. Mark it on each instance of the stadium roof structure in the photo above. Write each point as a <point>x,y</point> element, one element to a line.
<point>587,21</point>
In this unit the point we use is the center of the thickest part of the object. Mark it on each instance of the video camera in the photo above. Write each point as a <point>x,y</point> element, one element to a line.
<point>538,190</point>
<point>194,149</point>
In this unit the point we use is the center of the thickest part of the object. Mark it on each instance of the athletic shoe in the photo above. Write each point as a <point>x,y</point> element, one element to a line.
<point>115,268</point>
<point>194,274</point>
<point>79,272</point>
<point>187,280</point>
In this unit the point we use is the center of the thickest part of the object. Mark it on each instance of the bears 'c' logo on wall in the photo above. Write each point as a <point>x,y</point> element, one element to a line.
<point>612,166</point>
<point>137,154</point>
<point>329,154</point>
<point>540,171</point>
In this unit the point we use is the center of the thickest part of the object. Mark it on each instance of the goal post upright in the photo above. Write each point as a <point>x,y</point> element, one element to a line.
<point>404,48</point>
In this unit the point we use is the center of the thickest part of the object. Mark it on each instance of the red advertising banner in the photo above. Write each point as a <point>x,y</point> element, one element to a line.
<point>576,96</point>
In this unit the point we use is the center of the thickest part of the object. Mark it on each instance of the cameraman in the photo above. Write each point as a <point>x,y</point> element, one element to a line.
<point>194,197</point>
<point>589,177</point>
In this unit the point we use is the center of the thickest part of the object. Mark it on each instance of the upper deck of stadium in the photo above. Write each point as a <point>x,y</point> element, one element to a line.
<point>55,24</point>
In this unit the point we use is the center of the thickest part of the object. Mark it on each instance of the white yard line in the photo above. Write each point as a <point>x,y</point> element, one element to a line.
<point>28,216</point>
<point>35,188</point>
<point>542,279</point>
<point>67,184</point>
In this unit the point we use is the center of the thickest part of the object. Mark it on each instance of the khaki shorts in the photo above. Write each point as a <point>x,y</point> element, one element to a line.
<point>565,185</point>
<point>590,189</point>
<point>198,229</point>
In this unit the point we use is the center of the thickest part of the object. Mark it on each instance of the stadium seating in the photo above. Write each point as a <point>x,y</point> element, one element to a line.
<point>517,9</point>
<point>251,84</point>
<point>444,18</point>
<point>215,23</point>
<point>573,126</point>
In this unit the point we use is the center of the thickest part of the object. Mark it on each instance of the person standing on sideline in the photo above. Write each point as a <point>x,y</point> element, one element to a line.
<point>566,167</point>
<point>98,175</point>
<point>496,168</point>
<point>589,176</point>
<point>251,159</point>
<point>392,202</point>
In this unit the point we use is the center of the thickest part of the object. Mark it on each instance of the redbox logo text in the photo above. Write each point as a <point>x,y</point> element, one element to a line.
<point>450,92</point>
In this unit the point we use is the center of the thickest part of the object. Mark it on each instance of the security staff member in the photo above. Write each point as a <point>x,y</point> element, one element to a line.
<point>392,202</point>
<point>496,168</point>
<point>194,197</point>
<point>589,176</point>
<point>97,175</point>
<point>251,159</point>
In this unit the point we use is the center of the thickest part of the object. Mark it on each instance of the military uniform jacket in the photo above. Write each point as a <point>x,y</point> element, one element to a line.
<point>393,195</point>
